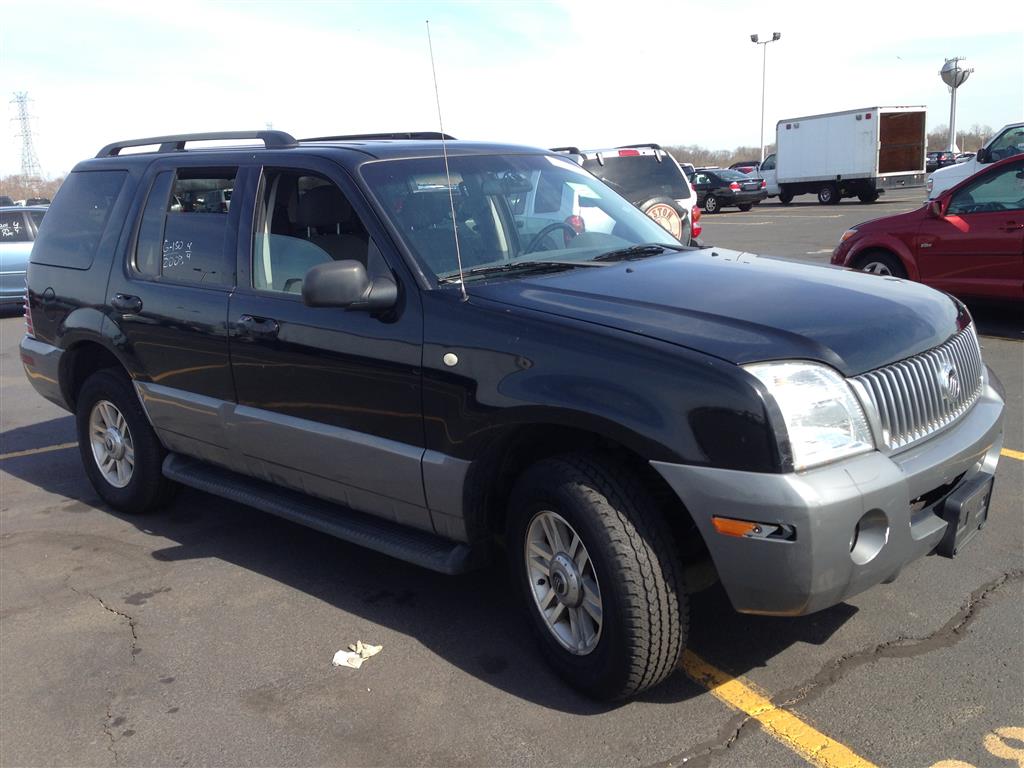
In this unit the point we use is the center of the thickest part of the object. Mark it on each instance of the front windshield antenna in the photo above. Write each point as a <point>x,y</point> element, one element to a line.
<point>447,173</point>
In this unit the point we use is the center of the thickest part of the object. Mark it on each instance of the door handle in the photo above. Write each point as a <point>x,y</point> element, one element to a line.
<point>257,327</point>
<point>1012,226</point>
<point>128,305</point>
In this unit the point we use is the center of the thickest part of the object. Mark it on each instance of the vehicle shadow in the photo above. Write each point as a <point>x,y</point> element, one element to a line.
<point>473,621</point>
<point>997,319</point>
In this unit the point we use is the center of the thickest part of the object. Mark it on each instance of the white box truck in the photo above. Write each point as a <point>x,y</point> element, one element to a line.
<point>856,153</point>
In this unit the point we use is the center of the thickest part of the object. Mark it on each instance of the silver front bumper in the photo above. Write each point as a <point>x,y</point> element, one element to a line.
<point>817,568</point>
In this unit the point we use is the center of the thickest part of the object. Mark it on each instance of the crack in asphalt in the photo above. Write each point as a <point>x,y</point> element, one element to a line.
<point>949,634</point>
<point>131,621</point>
<point>109,733</point>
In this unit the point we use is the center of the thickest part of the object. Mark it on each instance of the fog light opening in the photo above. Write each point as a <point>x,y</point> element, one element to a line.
<point>869,536</point>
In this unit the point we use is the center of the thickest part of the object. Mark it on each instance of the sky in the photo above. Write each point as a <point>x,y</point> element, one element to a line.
<point>589,74</point>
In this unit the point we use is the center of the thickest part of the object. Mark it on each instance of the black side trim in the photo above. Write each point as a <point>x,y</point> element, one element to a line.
<point>417,547</point>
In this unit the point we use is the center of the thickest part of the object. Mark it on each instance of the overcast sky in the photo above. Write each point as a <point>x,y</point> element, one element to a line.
<point>551,73</point>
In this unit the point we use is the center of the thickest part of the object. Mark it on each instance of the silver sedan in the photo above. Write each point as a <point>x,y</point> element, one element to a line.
<point>18,228</point>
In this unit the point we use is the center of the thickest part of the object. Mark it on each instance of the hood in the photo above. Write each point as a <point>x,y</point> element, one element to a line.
<point>892,223</point>
<point>745,308</point>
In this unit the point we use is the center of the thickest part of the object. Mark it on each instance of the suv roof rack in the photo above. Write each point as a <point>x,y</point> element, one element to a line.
<point>567,150</point>
<point>176,143</point>
<point>415,135</point>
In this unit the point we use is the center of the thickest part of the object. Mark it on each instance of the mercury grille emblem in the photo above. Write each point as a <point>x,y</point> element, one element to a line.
<point>949,382</point>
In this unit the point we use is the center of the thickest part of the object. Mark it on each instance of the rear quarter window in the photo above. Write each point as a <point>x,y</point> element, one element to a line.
<point>75,222</point>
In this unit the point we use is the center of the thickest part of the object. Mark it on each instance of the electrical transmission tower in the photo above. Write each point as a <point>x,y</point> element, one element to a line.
<point>29,161</point>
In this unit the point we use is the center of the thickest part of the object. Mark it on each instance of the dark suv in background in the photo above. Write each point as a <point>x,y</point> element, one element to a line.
<point>352,333</point>
<point>650,178</point>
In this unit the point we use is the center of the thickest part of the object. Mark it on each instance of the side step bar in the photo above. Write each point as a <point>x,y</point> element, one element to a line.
<point>388,538</point>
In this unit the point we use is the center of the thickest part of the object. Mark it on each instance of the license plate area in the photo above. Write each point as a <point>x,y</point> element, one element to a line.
<point>966,511</point>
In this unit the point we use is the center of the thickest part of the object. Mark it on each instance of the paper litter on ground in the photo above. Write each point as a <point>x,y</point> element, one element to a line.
<point>356,654</point>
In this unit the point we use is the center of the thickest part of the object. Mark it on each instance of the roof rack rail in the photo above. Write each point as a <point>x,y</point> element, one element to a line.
<point>176,143</point>
<point>567,150</point>
<point>414,135</point>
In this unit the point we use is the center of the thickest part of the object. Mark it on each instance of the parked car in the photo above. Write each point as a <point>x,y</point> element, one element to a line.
<point>6,200</point>
<point>746,166</point>
<point>940,159</point>
<point>963,157</point>
<point>18,227</point>
<point>1007,142</point>
<point>719,188</point>
<point>364,343</point>
<point>650,178</point>
<point>969,241</point>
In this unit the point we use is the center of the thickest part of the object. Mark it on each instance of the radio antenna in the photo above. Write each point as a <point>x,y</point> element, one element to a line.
<point>447,173</point>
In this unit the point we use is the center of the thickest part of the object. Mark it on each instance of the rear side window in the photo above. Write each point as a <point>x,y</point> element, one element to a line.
<point>75,222</point>
<point>12,228</point>
<point>184,225</point>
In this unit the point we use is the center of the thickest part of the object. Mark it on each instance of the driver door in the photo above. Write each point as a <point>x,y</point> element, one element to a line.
<point>977,248</point>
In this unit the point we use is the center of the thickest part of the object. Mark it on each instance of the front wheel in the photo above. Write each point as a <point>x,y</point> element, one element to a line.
<point>595,565</point>
<point>122,456</point>
<point>882,263</point>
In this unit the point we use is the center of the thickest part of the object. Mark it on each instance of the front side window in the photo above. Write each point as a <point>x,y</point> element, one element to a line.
<point>508,208</point>
<point>1009,143</point>
<point>12,228</point>
<point>999,191</point>
<point>184,225</point>
<point>303,220</point>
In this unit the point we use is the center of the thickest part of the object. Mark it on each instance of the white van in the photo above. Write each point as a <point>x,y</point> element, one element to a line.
<point>1006,143</point>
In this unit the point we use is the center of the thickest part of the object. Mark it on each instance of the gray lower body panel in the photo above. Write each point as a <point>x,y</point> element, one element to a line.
<point>819,568</point>
<point>42,366</point>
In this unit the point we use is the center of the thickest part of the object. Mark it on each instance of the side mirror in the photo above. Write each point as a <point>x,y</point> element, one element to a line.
<point>982,156</point>
<point>937,207</point>
<point>345,284</point>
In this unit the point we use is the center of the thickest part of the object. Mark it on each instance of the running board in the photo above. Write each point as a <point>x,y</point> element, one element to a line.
<point>388,538</point>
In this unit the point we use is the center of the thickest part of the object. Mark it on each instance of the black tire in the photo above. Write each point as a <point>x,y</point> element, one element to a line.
<point>147,488</point>
<point>785,197</point>
<point>828,194</point>
<point>644,605</point>
<point>711,204</point>
<point>745,206</point>
<point>881,263</point>
<point>867,197</point>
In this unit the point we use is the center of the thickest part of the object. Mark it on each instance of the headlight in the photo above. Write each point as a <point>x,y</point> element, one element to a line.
<point>848,234</point>
<point>929,185</point>
<point>823,418</point>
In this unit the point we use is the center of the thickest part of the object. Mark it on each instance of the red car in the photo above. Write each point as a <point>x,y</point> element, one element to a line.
<point>969,241</point>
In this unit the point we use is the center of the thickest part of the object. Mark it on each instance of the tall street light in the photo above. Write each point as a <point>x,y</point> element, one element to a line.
<point>764,67</point>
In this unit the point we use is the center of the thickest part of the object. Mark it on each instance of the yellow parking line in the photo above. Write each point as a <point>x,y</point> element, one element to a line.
<point>32,451</point>
<point>812,745</point>
<point>1018,455</point>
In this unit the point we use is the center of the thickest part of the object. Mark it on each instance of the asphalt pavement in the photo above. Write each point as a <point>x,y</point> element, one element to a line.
<point>203,635</point>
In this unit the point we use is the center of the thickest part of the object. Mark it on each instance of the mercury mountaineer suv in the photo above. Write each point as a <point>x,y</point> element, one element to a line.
<point>347,333</point>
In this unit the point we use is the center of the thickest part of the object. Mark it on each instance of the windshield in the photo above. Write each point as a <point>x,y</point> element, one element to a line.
<point>508,208</point>
<point>640,176</point>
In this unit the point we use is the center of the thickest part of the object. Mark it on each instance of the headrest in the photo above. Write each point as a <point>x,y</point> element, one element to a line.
<point>426,209</point>
<point>323,207</point>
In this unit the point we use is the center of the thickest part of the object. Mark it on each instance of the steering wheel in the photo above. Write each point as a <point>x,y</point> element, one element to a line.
<point>553,227</point>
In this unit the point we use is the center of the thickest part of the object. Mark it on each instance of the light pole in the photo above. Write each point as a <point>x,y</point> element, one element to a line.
<point>764,68</point>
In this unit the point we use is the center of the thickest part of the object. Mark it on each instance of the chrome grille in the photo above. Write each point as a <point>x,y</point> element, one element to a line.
<point>918,396</point>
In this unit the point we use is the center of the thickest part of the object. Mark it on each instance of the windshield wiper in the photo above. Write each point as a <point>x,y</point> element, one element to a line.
<point>517,266</point>
<point>638,251</point>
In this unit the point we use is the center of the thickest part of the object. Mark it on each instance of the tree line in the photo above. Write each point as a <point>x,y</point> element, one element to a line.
<point>19,187</point>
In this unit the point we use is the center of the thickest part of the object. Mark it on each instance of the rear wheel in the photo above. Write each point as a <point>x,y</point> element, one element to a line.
<point>785,197</point>
<point>867,197</point>
<point>881,263</point>
<point>601,580</point>
<point>121,454</point>
<point>711,204</point>
<point>828,194</point>
<point>745,206</point>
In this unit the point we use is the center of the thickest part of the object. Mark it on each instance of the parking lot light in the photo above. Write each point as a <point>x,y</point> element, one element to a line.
<point>764,66</point>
